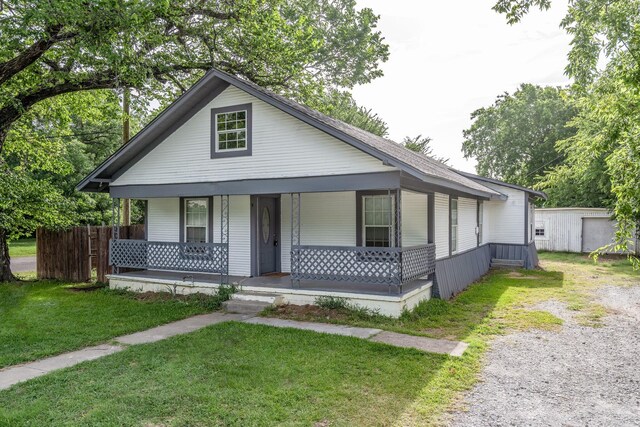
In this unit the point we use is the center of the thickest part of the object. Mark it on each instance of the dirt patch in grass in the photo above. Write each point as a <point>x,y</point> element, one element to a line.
<point>518,275</point>
<point>87,288</point>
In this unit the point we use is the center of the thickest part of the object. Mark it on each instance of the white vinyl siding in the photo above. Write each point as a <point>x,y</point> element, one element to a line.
<point>441,207</point>
<point>164,226</point>
<point>505,218</point>
<point>467,221</point>
<point>454,222</point>
<point>327,219</point>
<point>414,218</point>
<point>163,220</point>
<point>239,233</point>
<point>282,146</point>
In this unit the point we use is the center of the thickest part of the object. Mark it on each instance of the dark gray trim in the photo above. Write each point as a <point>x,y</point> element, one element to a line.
<point>249,133</point>
<point>206,89</point>
<point>146,220</point>
<point>359,194</point>
<point>316,184</point>
<point>450,234</point>
<point>209,217</point>
<point>412,183</point>
<point>526,218</point>
<point>431,218</point>
<point>455,273</point>
<point>254,218</point>
<point>253,230</point>
<point>504,184</point>
<point>163,125</point>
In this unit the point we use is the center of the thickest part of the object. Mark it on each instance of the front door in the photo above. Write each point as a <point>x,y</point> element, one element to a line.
<point>268,239</point>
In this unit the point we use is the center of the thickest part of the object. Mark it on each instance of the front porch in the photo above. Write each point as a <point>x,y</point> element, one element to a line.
<point>345,243</point>
<point>364,295</point>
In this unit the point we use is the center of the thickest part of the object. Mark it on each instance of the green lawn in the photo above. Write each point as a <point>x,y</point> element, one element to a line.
<point>39,319</point>
<point>239,374</point>
<point>22,247</point>
<point>231,374</point>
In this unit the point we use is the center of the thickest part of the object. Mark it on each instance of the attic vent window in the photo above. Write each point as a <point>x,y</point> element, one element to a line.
<point>231,131</point>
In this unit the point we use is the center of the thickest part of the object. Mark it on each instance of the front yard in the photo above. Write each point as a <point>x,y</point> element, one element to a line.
<point>239,374</point>
<point>22,248</point>
<point>39,319</point>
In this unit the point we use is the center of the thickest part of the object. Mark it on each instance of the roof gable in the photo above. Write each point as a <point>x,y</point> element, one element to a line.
<point>215,81</point>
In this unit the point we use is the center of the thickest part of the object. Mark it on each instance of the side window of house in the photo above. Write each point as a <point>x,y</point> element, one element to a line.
<point>454,225</point>
<point>540,230</point>
<point>231,131</point>
<point>196,220</point>
<point>377,220</point>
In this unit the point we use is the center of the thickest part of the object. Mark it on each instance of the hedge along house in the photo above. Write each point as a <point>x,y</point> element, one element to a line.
<point>244,186</point>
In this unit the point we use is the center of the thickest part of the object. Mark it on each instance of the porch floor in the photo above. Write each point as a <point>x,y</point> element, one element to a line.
<point>277,281</point>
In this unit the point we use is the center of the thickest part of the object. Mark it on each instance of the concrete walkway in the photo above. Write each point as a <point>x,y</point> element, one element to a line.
<point>19,373</point>
<point>429,345</point>
<point>15,374</point>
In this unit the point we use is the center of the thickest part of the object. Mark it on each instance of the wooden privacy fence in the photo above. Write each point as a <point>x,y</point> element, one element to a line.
<point>71,254</point>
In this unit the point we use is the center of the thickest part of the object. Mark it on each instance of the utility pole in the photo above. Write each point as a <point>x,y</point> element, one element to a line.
<point>126,203</point>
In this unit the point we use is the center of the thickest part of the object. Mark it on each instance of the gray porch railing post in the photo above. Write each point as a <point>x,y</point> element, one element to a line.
<point>115,222</point>
<point>224,238</point>
<point>398,213</point>
<point>295,240</point>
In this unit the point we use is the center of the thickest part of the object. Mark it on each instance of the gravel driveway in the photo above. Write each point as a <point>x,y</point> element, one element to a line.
<point>579,376</point>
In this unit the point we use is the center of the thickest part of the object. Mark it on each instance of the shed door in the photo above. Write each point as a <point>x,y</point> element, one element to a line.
<point>596,232</point>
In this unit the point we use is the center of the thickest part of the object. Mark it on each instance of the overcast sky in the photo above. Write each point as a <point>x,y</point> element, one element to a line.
<point>448,58</point>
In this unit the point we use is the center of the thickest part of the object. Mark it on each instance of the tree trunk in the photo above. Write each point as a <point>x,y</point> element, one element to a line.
<point>5,261</point>
<point>126,203</point>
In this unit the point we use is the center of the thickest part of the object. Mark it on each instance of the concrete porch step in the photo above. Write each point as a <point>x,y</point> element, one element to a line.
<point>508,263</point>
<point>245,307</point>
<point>271,298</point>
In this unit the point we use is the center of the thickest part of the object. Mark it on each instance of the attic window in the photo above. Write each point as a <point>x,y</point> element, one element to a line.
<point>231,131</point>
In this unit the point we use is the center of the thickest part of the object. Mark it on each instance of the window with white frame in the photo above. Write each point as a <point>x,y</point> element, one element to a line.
<point>377,220</point>
<point>454,225</point>
<point>231,131</point>
<point>196,223</point>
<point>539,230</point>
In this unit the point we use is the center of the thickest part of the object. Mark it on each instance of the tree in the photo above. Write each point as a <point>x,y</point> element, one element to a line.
<point>608,124</point>
<point>422,145</point>
<point>514,139</point>
<point>159,48</point>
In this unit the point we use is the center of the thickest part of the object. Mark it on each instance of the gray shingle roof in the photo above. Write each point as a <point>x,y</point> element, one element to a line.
<point>416,164</point>
<point>423,163</point>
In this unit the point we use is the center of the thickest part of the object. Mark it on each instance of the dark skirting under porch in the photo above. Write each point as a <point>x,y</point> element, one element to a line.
<point>454,274</point>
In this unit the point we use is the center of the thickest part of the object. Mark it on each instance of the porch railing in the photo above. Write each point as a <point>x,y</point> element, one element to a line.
<point>177,256</point>
<point>362,265</point>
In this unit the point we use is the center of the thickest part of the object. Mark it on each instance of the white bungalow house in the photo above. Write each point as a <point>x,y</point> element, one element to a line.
<point>244,186</point>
